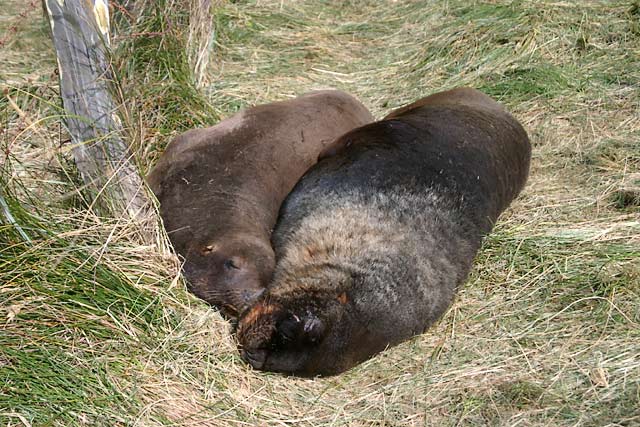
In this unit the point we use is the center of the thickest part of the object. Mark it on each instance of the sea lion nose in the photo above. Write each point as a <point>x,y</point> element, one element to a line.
<point>255,358</point>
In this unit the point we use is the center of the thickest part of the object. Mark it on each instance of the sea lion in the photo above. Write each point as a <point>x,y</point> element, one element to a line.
<point>220,188</point>
<point>373,242</point>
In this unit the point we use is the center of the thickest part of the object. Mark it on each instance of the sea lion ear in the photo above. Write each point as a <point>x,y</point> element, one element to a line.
<point>233,263</point>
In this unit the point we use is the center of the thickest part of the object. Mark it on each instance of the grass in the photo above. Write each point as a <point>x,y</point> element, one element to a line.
<point>97,329</point>
<point>69,322</point>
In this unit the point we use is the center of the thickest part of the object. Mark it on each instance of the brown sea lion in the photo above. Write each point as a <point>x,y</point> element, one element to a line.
<point>220,188</point>
<point>373,242</point>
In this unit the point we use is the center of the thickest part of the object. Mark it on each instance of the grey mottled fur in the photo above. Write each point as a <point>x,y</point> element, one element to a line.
<point>387,241</point>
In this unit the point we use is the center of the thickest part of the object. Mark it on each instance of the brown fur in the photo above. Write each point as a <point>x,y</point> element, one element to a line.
<point>220,188</point>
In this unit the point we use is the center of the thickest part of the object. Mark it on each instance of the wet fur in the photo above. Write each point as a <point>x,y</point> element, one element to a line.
<point>373,242</point>
<point>220,189</point>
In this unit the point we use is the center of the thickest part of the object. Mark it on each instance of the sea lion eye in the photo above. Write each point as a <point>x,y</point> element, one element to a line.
<point>230,265</point>
<point>208,249</point>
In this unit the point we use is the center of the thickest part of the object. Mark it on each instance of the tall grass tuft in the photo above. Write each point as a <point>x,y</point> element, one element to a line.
<point>157,49</point>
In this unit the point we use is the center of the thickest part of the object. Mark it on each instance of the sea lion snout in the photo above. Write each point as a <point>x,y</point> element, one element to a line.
<point>285,337</point>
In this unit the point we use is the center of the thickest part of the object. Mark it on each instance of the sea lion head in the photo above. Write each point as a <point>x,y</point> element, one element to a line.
<point>316,335</point>
<point>229,273</point>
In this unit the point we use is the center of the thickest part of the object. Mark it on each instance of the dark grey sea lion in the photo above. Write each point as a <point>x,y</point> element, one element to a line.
<point>373,242</point>
<point>220,188</point>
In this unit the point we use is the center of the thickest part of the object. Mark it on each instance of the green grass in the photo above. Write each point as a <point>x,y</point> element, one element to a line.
<point>97,329</point>
<point>70,326</point>
<point>157,82</point>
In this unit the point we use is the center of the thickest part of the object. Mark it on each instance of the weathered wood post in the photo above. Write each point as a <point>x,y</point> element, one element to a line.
<point>80,31</point>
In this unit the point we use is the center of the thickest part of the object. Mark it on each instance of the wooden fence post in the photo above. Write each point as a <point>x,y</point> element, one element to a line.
<point>80,31</point>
